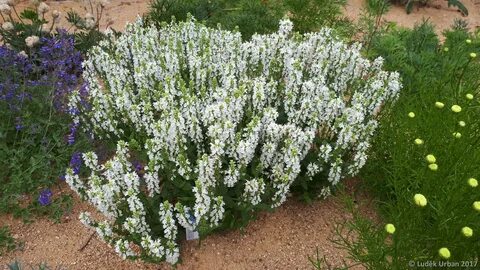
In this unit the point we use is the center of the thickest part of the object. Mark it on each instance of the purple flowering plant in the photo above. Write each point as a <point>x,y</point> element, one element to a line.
<point>45,197</point>
<point>37,138</point>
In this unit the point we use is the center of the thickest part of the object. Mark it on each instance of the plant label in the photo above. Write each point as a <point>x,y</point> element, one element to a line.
<point>191,235</point>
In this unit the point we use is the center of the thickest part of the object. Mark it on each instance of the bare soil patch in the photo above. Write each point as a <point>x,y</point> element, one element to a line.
<point>280,240</point>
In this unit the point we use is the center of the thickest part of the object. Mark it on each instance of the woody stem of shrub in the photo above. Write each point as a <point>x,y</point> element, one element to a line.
<point>51,27</point>
<point>16,13</point>
<point>99,17</point>
<point>378,17</point>
<point>460,79</point>
<point>49,117</point>
<point>91,6</point>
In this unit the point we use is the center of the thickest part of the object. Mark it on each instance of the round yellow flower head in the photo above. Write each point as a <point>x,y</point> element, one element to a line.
<point>469,96</point>
<point>445,49</point>
<point>411,114</point>
<point>473,55</point>
<point>473,182</point>
<point>420,200</point>
<point>456,108</point>
<point>390,228</point>
<point>439,104</point>
<point>418,141</point>
<point>431,158</point>
<point>461,123</point>
<point>433,167</point>
<point>467,231</point>
<point>469,41</point>
<point>444,253</point>
<point>476,205</point>
<point>457,135</point>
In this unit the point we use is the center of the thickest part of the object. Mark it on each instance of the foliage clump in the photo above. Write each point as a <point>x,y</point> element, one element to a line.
<point>209,129</point>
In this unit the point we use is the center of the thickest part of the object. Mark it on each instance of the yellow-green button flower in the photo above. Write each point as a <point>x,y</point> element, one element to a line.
<point>439,104</point>
<point>469,96</point>
<point>472,182</point>
<point>411,114</point>
<point>418,141</point>
<point>445,49</point>
<point>444,253</point>
<point>431,158</point>
<point>457,135</point>
<point>473,55</point>
<point>462,123</point>
<point>433,167</point>
<point>456,108</point>
<point>469,41</point>
<point>467,231</point>
<point>476,205</point>
<point>390,228</point>
<point>420,200</point>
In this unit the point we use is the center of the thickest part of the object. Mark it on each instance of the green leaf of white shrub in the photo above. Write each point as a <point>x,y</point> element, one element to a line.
<point>227,126</point>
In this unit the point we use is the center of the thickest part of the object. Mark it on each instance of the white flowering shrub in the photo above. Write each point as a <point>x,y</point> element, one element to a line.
<point>225,127</point>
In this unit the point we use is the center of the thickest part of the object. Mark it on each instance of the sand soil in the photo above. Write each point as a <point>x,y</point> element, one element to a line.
<point>284,239</point>
<point>118,12</point>
<point>280,240</point>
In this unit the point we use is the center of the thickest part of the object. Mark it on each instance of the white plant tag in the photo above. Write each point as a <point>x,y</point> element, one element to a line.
<point>191,235</point>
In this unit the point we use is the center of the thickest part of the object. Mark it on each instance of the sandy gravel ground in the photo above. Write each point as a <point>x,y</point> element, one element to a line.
<point>119,12</point>
<point>280,240</point>
<point>437,12</point>
<point>283,239</point>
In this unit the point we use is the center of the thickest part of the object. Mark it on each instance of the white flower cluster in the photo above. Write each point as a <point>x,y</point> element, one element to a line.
<point>263,106</point>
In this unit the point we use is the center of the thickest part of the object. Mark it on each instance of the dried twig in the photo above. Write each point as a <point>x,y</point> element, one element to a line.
<point>86,242</point>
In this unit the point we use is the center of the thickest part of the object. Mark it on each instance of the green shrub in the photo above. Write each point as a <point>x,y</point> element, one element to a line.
<point>224,128</point>
<point>36,138</point>
<point>425,121</point>
<point>7,242</point>
<point>409,4</point>
<point>40,21</point>
<point>254,16</point>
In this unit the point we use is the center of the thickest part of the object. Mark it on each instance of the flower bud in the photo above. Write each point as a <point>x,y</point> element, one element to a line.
<point>420,200</point>
<point>5,9</point>
<point>45,28</point>
<point>32,41</point>
<point>444,253</point>
<point>469,96</point>
<point>431,158</point>
<point>476,205</point>
<point>43,8</point>
<point>439,105</point>
<point>467,231</point>
<point>456,108</point>
<point>11,2</point>
<point>472,182</point>
<point>433,167</point>
<point>418,141</point>
<point>55,14</point>
<point>7,26</point>
<point>390,228</point>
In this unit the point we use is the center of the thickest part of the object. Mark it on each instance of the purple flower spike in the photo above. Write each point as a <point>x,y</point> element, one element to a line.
<point>76,162</point>
<point>138,168</point>
<point>45,197</point>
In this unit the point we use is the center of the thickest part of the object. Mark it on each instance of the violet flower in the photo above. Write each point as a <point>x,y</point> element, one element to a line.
<point>45,197</point>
